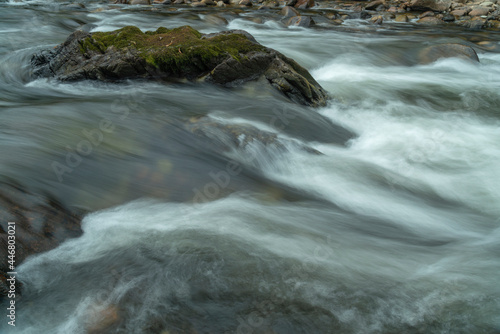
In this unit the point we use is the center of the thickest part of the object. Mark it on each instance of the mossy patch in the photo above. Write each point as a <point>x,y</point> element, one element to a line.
<point>179,50</point>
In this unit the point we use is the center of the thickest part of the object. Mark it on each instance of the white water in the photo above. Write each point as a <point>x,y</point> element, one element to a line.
<point>397,232</point>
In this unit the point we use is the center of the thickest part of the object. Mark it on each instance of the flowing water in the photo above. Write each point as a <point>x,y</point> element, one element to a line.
<point>394,228</point>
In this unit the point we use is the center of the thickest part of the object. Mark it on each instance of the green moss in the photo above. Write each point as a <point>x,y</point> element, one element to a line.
<point>178,50</point>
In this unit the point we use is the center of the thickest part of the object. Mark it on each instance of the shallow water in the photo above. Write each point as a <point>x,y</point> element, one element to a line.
<point>392,230</point>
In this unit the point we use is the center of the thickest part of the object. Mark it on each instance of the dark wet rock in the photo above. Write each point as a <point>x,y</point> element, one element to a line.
<point>227,58</point>
<point>435,52</point>
<point>289,11</point>
<point>435,5</point>
<point>364,15</point>
<point>448,18</point>
<point>291,3</point>
<point>247,3</point>
<point>300,21</point>
<point>304,4</point>
<point>41,223</point>
<point>226,137</point>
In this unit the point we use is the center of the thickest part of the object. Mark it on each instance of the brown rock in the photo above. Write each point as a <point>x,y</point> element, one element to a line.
<point>479,11</point>
<point>140,2</point>
<point>426,14</point>
<point>459,12</point>
<point>435,5</point>
<point>304,4</point>
<point>198,4</point>
<point>377,19</point>
<point>247,3</point>
<point>401,18</point>
<point>431,20</point>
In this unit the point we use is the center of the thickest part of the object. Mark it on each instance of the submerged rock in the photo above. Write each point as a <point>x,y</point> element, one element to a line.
<point>435,52</point>
<point>228,58</point>
<point>41,224</point>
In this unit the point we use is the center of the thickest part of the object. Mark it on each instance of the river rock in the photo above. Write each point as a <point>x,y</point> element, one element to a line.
<point>432,53</point>
<point>435,5</point>
<point>479,11</point>
<point>289,11</point>
<point>300,21</point>
<point>228,58</point>
<point>140,2</point>
<point>41,223</point>
<point>374,4</point>
<point>304,4</point>
<point>430,20</point>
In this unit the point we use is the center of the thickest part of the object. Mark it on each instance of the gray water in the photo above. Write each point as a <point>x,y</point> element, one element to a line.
<point>394,229</point>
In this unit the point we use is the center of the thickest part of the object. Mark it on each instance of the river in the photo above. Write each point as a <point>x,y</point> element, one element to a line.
<point>394,228</point>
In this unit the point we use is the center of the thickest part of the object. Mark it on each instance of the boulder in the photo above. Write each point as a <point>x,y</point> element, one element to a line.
<point>228,58</point>
<point>432,53</point>
<point>435,5</point>
<point>41,223</point>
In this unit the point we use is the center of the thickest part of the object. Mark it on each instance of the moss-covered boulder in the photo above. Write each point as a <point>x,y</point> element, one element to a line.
<point>228,58</point>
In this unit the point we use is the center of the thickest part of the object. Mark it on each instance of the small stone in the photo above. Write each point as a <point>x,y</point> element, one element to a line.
<point>247,3</point>
<point>448,18</point>
<point>401,18</point>
<point>221,4</point>
<point>304,4</point>
<point>291,2</point>
<point>140,2</point>
<point>300,21</point>
<point>377,19</point>
<point>209,2</point>
<point>430,20</point>
<point>198,4</point>
<point>428,13</point>
<point>459,12</point>
<point>487,4</point>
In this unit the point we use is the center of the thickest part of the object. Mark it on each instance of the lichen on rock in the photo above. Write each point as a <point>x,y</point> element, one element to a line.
<point>226,58</point>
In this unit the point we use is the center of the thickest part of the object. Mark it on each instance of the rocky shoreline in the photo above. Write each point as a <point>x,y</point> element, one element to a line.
<point>471,14</point>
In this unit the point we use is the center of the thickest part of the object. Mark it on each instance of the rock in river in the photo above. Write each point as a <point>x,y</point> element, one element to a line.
<point>228,58</point>
<point>38,223</point>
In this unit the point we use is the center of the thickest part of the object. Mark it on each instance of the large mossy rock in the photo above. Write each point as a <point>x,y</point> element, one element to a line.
<point>227,58</point>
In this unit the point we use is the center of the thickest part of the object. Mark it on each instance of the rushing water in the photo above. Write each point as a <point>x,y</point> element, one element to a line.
<point>392,230</point>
